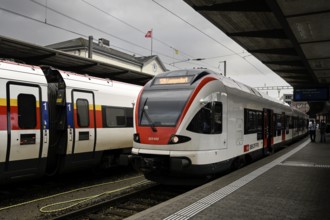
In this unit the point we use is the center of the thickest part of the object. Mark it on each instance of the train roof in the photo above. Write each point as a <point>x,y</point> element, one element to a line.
<point>26,73</point>
<point>196,74</point>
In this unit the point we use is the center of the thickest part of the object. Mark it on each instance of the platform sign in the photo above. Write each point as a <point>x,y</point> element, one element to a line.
<point>316,94</point>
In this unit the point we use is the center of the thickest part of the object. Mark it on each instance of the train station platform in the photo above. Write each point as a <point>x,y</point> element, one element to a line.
<point>293,183</point>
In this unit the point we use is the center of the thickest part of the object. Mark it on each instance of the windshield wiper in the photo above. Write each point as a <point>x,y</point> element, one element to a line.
<point>152,124</point>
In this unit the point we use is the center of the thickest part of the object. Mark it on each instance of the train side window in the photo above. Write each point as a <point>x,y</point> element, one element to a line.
<point>217,118</point>
<point>278,125</point>
<point>253,122</point>
<point>208,120</point>
<point>26,105</point>
<point>129,117</point>
<point>287,124</point>
<point>83,112</point>
<point>201,123</point>
<point>117,117</point>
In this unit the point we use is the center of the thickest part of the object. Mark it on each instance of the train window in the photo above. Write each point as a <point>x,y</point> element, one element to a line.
<point>278,124</point>
<point>129,117</point>
<point>208,119</point>
<point>83,112</point>
<point>26,105</point>
<point>162,107</point>
<point>287,124</point>
<point>217,118</point>
<point>117,117</point>
<point>253,122</point>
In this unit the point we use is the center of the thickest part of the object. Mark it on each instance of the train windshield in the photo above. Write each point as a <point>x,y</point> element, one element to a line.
<point>162,107</point>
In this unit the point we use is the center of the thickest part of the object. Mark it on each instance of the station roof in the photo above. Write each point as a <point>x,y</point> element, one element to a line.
<point>39,55</point>
<point>291,37</point>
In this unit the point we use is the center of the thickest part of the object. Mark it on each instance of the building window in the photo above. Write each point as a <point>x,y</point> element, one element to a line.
<point>26,104</point>
<point>83,113</point>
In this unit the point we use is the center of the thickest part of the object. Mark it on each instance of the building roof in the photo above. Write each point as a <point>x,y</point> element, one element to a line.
<point>39,55</point>
<point>81,43</point>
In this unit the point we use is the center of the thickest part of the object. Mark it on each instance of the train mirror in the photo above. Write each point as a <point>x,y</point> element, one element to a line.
<point>203,102</point>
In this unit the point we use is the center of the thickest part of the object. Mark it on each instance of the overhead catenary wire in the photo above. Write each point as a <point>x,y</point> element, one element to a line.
<point>137,29</point>
<point>134,27</point>
<point>46,22</point>
<point>97,29</point>
<point>207,35</point>
<point>112,35</point>
<point>64,29</point>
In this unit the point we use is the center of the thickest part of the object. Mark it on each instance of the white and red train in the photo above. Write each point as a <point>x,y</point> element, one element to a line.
<point>52,121</point>
<point>193,124</point>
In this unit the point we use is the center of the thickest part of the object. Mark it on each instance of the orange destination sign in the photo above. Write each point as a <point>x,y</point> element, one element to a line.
<point>173,80</point>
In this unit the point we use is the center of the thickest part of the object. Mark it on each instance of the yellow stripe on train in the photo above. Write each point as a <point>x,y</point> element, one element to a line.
<point>13,102</point>
<point>90,107</point>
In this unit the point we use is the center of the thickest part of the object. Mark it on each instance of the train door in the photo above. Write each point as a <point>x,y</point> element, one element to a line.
<point>84,123</point>
<point>24,145</point>
<point>283,123</point>
<point>267,130</point>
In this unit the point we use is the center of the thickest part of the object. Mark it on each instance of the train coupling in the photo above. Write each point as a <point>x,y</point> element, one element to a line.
<point>149,164</point>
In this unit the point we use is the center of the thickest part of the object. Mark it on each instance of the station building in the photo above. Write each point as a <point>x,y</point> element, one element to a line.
<point>102,51</point>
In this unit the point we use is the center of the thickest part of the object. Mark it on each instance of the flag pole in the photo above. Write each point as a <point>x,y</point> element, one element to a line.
<point>151,41</point>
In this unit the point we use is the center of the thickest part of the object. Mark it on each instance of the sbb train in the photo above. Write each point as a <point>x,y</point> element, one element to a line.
<point>192,124</point>
<point>52,121</point>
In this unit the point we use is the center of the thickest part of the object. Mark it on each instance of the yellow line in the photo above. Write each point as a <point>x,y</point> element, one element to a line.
<point>3,102</point>
<point>13,102</point>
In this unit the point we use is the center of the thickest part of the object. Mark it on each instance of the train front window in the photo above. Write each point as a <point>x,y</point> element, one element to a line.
<point>162,107</point>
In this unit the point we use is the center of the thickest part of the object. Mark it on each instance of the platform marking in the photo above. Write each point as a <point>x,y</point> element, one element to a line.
<point>218,195</point>
<point>303,164</point>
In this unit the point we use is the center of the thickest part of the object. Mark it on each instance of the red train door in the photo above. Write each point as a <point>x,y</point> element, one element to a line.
<point>267,130</point>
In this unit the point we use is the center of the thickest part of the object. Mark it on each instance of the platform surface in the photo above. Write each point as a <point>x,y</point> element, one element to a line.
<point>293,183</point>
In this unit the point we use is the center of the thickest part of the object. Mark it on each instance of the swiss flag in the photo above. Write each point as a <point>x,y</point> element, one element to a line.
<point>148,34</point>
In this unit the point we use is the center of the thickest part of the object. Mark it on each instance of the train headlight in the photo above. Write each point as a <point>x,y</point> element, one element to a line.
<point>136,138</point>
<point>175,139</point>
<point>178,139</point>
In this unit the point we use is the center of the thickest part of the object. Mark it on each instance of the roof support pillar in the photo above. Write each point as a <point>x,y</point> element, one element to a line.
<point>90,47</point>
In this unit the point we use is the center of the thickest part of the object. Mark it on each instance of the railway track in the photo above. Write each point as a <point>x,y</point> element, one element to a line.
<point>126,205</point>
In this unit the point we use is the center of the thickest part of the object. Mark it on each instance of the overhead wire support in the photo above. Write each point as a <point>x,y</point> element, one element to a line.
<point>210,37</point>
<point>273,87</point>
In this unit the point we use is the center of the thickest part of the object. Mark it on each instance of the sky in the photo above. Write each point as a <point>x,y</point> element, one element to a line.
<point>182,38</point>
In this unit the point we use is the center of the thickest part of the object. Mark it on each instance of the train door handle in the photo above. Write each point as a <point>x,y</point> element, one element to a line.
<point>70,134</point>
<point>45,136</point>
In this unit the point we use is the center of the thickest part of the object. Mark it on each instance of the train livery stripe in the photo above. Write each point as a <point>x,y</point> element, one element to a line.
<point>3,118</point>
<point>45,118</point>
<point>3,102</point>
<point>90,107</point>
<point>14,114</point>
<point>192,98</point>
